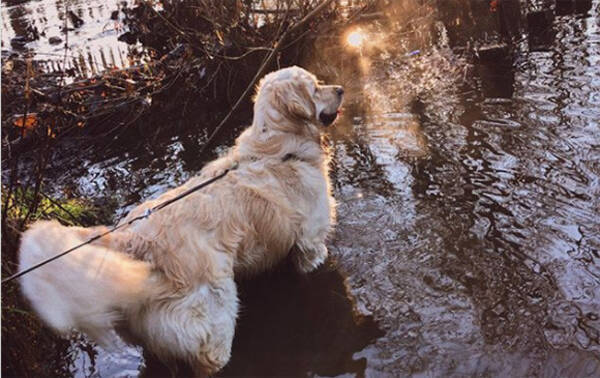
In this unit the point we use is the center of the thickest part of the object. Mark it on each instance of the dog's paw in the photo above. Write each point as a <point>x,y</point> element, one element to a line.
<point>310,257</point>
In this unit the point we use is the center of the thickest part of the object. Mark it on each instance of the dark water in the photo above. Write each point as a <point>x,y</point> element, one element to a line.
<point>468,238</point>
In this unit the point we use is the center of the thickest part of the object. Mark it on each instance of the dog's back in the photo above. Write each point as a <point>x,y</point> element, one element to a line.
<point>85,289</point>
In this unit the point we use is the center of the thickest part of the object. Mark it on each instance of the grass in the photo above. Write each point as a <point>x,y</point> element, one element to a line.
<point>74,211</point>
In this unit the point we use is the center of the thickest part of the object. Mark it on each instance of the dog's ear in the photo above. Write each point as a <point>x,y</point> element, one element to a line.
<point>295,99</point>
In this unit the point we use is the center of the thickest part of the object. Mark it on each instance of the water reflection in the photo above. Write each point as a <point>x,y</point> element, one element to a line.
<point>482,276</point>
<point>90,31</point>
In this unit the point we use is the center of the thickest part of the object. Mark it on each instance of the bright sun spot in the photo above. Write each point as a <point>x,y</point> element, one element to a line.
<point>355,39</point>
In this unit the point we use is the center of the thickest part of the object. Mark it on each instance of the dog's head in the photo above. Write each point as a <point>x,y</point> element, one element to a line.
<point>294,94</point>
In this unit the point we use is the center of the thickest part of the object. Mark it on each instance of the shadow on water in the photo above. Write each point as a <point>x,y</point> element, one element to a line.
<point>296,325</point>
<point>293,325</point>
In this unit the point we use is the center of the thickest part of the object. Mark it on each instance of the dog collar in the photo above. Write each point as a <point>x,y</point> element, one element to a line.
<point>285,158</point>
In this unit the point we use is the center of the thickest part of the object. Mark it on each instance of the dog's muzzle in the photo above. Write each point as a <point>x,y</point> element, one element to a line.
<point>327,119</point>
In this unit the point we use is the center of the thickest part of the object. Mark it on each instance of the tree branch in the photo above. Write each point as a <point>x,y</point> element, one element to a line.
<point>263,67</point>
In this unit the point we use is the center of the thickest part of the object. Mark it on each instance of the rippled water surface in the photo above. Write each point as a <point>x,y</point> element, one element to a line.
<point>89,29</point>
<point>468,238</point>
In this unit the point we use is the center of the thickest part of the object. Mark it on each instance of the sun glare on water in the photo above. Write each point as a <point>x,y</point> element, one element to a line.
<point>355,39</point>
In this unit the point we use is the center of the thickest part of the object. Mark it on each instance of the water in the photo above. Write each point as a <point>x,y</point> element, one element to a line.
<point>468,238</point>
<point>43,28</point>
<point>483,212</point>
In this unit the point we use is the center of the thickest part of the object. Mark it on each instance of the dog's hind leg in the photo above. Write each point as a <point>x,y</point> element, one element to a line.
<point>196,326</point>
<point>308,255</point>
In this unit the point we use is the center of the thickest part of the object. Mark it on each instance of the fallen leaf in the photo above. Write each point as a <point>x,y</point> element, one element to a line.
<point>28,122</point>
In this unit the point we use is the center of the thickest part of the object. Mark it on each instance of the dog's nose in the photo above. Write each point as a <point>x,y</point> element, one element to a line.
<point>340,91</point>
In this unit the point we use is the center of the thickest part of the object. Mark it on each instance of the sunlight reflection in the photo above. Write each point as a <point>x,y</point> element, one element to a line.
<point>355,38</point>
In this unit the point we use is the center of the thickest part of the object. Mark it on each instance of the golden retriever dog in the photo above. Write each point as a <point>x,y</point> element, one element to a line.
<point>169,278</point>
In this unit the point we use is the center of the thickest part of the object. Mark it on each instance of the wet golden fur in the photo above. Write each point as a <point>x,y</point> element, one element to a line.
<point>169,278</point>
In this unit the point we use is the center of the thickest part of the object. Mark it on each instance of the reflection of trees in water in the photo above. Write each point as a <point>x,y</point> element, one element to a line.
<point>18,21</point>
<point>93,45</point>
<point>365,173</point>
<point>476,21</point>
<point>561,172</point>
<point>454,187</point>
<point>520,180</point>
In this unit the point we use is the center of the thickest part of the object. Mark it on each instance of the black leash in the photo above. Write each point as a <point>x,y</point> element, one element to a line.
<point>144,216</point>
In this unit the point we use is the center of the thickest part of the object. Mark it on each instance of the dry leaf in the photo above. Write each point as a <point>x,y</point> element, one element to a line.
<point>28,122</point>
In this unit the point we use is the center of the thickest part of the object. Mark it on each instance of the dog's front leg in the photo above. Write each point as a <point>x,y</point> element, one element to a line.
<point>310,251</point>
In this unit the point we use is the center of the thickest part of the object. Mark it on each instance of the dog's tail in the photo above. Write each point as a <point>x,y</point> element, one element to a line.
<point>87,289</point>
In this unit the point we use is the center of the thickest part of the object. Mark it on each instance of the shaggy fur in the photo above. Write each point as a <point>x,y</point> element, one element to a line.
<point>169,278</point>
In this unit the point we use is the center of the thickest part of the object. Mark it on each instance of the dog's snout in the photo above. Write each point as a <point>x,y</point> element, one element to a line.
<point>340,91</point>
